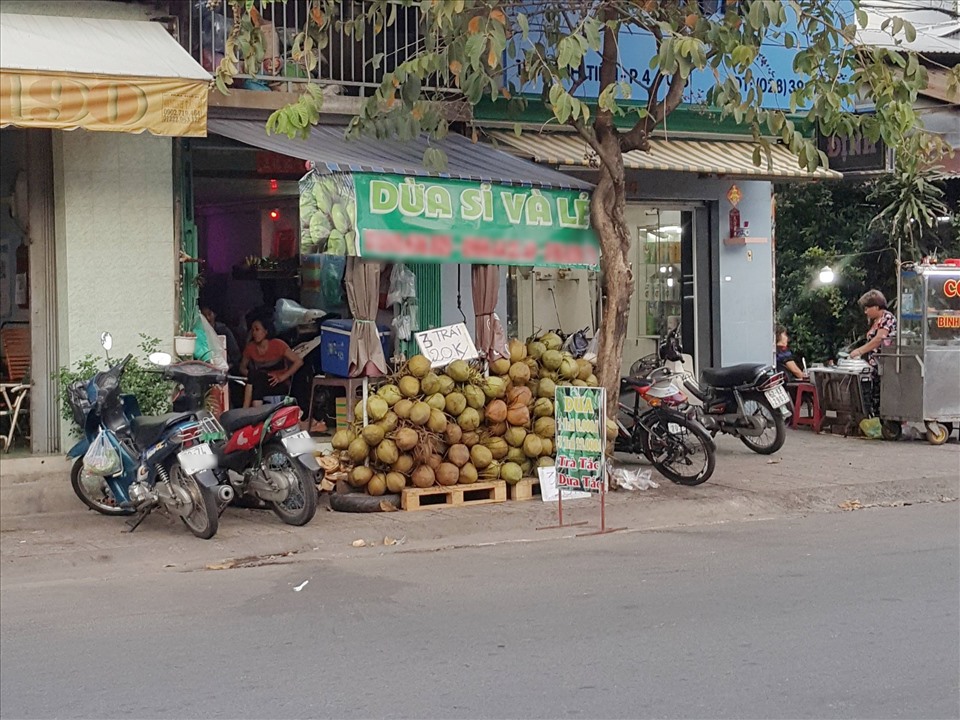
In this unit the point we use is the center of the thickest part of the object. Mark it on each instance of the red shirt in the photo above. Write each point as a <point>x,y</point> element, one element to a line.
<point>273,357</point>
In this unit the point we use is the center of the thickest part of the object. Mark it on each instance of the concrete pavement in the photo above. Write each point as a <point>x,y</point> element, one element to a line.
<point>43,526</point>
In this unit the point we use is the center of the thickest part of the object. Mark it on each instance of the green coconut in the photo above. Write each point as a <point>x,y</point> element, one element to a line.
<point>420,413</point>
<point>546,389</point>
<point>545,462</point>
<point>546,446</point>
<point>494,387</point>
<point>396,482</point>
<point>377,407</point>
<point>430,384</point>
<point>406,439</point>
<point>452,434</point>
<point>532,446</point>
<point>511,472</point>
<point>360,476</point>
<point>497,446</point>
<point>516,455</point>
<point>437,401</point>
<point>500,366</point>
<point>545,427</point>
<point>403,465</point>
<point>437,422</point>
<point>480,456</point>
<point>456,403</point>
<point>358,450</point>
<point>543,407</point>
<point>470,438</point>
<point>517,350</point>
<point>389,422</point>
<point>515,436</point>
<point>387,452</point>
<point>377,485</point>
<point>446,384</point>
<point>519,373</point>
<point>568,368</point>
<point>592,381</point>
<point>535,349</point>
<point>390,393</point>
<point>402,408</point>
<point>468,474</point>
<point>459,370</point>
<point>458,454</point>
<point>373,435</point>
<point>469,419</point>
<point>552,341</point>
<point>551,360</point>
<point>418,366</point>
<point>448,474</point>
<point>342,439</point>
<point>475,397</point>
<point>585,368</point>
<point>409,386</point>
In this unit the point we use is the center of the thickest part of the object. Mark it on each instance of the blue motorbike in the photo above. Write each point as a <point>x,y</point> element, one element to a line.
<point>166,460</point>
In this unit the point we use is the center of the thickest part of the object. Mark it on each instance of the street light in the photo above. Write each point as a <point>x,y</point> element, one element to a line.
<point>827,276</point>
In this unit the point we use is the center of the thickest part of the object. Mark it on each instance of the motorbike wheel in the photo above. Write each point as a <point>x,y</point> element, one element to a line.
<point>301,505</point>
<point>673,453</point>
<point>94,492</point>
<point>775,433</point>
<point>204,520</point>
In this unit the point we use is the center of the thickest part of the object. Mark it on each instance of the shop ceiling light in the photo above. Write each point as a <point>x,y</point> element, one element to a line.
<point>274,214</point>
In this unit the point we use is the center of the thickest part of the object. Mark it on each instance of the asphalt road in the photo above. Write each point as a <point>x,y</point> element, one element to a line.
<point>830,616</point>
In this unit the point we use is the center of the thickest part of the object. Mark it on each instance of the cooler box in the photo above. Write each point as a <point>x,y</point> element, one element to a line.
<point>335,345</point>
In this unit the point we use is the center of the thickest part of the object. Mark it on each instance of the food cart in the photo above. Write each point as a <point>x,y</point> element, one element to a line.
<point>920,378</point>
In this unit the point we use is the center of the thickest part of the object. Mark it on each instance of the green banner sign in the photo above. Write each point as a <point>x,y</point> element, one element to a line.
<point>580,438</point>
<point>440,220</point>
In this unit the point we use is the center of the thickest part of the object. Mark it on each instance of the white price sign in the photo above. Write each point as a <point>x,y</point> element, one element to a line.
<point>441,346</point>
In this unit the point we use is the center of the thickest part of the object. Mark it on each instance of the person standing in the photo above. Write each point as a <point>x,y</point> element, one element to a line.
<point>881,333</point>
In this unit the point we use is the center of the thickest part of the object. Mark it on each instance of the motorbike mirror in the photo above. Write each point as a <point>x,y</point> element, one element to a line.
<point>106,340</point>
<point>161,358</point>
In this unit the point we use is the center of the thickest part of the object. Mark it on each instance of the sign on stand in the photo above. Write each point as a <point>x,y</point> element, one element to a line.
<point>442,345</point>
<point>581,443</point>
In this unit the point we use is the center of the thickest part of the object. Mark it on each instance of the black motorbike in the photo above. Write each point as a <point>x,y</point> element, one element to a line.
<point>747,401</point>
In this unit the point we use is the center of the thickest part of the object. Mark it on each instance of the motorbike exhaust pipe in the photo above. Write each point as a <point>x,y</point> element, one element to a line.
<point>225,493</point>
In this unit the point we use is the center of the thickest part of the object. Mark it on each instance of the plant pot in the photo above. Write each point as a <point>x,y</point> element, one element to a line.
<point>185,345</point>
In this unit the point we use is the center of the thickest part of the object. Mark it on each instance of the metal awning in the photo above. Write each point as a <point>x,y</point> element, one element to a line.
<point>466,160</point>
<point>114,75</point>
<point>714,157</point>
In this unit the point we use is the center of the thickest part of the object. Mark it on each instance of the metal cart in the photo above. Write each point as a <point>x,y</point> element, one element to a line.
<point>920,378</point>
<point>845,390</point>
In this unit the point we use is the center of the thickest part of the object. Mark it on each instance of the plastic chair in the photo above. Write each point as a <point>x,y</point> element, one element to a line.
<point>815,420</point>
<point>15,387</point>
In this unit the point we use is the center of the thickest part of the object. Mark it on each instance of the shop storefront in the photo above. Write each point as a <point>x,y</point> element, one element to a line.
<point>93,207</point>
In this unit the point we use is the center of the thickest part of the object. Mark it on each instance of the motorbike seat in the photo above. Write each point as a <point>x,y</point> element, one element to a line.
<point>728,377</point>
<point>630,384</point>
<point>233,420</point>
<point>148,429</point>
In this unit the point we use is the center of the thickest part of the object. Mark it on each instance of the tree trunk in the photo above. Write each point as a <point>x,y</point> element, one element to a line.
<point>607,211</point>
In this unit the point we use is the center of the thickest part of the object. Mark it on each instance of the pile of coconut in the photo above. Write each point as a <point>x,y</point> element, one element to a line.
<point>461,425</point>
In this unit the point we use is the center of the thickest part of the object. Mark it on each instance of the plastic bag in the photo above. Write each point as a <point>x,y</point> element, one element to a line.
<point>288,314</point>
<point>593,349</point>
<point>102,457</point>
<point>215,352</point>
<point>871,428</point>
<point>632,478</point>
<point>403,284</point>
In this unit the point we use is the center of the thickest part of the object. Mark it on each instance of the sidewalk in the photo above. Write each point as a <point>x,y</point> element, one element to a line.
<point>811,474</point>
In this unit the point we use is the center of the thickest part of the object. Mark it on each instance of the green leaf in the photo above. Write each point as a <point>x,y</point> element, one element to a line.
<point>524,25</point>
<point>909,32</point>
<point>862,18</point>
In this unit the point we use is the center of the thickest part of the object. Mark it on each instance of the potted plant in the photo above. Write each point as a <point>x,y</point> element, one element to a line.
<point>185,344</point>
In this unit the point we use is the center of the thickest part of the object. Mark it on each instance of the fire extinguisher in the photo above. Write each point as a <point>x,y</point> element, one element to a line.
<point>22,285</point>
<point>734,222</point>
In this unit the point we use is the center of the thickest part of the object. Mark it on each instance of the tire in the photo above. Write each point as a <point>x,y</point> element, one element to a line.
<point>204,520</point>
<point>937,434</point>
<point>100,499</point>
<point>671,452</point>
<point>301,505</point>
<point>891,429</point>
<point>762,407</point>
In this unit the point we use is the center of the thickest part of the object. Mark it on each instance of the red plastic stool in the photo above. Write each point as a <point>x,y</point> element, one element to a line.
<point>816,418</point>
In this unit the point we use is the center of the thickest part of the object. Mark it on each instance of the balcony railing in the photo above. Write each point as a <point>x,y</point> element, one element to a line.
<point>344,64</point>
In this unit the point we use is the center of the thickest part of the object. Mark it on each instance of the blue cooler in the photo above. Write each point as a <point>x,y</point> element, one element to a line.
<point>335,345</point>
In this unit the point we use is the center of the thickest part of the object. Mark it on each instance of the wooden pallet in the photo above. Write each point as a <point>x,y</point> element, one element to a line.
<point>526,489</point>
<point>481,493</point>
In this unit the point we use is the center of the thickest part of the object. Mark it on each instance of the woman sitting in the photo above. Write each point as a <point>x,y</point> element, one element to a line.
<point>785,361</point>
<point>268,363</point>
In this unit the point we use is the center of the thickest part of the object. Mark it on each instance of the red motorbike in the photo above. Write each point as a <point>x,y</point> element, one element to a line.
<point>264,454</point>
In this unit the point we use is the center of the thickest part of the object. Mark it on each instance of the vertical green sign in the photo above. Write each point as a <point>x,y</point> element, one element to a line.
<point>580,440</point>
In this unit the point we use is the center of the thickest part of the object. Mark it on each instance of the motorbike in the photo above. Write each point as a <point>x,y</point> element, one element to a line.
<point>747,401</point>
<point>649,423</point>
<point>263,455</point>
<point>165,460</point>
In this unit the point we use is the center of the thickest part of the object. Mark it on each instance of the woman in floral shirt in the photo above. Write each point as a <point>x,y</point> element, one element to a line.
<point>882,333</point>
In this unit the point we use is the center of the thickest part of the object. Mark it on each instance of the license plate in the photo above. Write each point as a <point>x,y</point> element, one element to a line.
<point>777,396</point>
<point>299,443</point>
<point>197,458</point>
